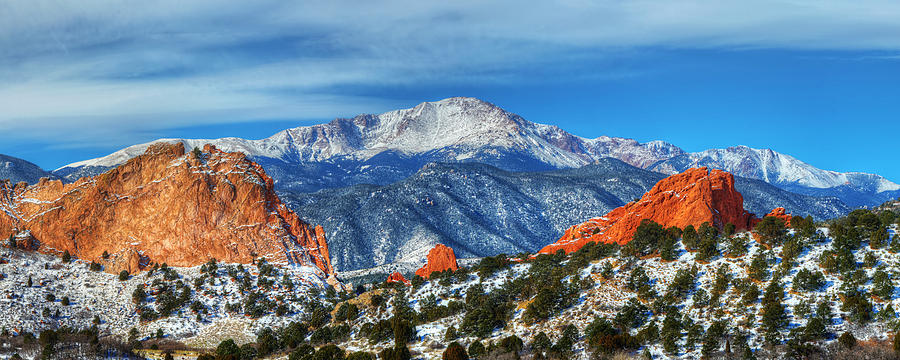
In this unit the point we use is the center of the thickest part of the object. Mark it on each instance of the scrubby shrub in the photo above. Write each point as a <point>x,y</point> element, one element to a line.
<point>511,344</point>
<point>455,351</point>
<point>360,355</point>
<point>856,303</point>
<point>346,312</point>
<point>95,266</point>
<point>882,286</point>
<point>737,246</point>
<point>227,348</point>
<point>632,315</point>
<point>399,352</point>
<point>602,336</point>
<point>649,238</point>
<point>267,342</point>
<point>491,264</point>
<point>847,340</point>
<point>476,349</point>
<point>807,280</point>
<point>451,334</point>
<point>770,230</point>
<point>303,351</point>
<point>759,267</point>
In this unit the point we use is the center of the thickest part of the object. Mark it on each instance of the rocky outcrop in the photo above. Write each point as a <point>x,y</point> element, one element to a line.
<point>126,260</point>
<point>691,198</point>
<point>166,206</point>
<point>25,241</point>
<point>397,277</point>
<point>440,258</point>
<point>782,214</point>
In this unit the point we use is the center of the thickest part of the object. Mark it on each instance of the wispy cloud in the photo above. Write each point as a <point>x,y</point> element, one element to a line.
<point>101,70</point>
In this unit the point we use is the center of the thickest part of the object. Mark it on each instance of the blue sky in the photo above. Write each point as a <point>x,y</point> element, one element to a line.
<point>818,80</point>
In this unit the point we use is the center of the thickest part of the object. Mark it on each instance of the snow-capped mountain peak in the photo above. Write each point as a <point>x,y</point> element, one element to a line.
<point>461,126</point>
<point>387,147</point>
<point>774,168</point>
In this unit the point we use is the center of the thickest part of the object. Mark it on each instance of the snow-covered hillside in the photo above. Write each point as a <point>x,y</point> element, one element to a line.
<point>479,210</point>
<point>16,170</point>
<point>723,290</point>
<point>801,290</point>
<point>197,305</point>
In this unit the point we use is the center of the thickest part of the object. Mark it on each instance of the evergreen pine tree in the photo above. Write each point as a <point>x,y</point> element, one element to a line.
<point>823,311</point>
<point>759,267</point>
<point>887,313</point>
<point>770,230</point>
<point>737,246</point>
<point>895,244</point>
<point>671,332</point>
<point>774,315</point>
<point>878,238</point>
<point>882,285</point>
<point>690,238</point>
<point>729,229</point>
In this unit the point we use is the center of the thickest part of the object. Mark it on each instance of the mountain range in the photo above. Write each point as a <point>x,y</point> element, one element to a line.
<point>854,188</point>
<point>382,149</point>
<point>385,148</point>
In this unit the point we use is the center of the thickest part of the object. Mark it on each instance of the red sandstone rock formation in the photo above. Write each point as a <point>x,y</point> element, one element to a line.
<point>690,198</point>
<point>398,277</point>
<point>440,258</point>
<point>165,206</point>
<point>25,241</point>
<point>782,214</point>
<point>128,260</point>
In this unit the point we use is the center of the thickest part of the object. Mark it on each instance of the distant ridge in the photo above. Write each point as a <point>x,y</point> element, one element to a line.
<point>18,170</point>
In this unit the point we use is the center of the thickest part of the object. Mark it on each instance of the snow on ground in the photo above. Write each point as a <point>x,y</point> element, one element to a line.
<point>90,294</point>
<point>96,293</point>
<point>607,297</point>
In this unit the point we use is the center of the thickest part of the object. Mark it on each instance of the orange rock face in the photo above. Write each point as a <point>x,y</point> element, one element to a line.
<point>397,277</point>
<point>128,260</point>
<point>690,198</point>
<point>165,206</point>
<point>782,214</point>
<point>440,258</point>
